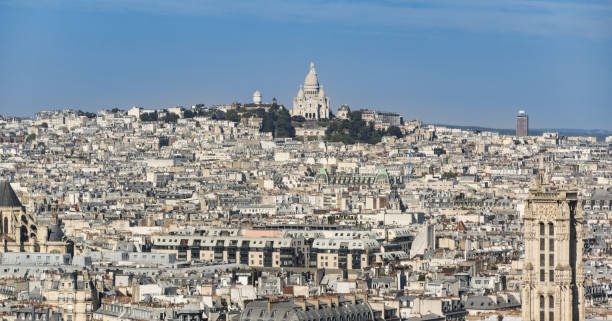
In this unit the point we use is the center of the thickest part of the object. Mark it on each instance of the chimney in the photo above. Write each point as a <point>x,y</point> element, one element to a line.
<point>335,300</point>
<point>301,304</point>
<point>327,300</point>
<point>352,298</point>
<point>363,296</point>
<point>314,302</point>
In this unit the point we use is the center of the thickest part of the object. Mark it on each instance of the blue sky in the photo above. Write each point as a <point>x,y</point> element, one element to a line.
<point>473,62</point>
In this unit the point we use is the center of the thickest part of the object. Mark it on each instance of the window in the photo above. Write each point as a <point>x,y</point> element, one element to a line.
<point>551,308</point>
<point>542,313</point>
<point>551,252</point>
<point>542,252</point>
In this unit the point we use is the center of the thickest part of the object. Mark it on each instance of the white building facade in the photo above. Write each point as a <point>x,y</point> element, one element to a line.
<point>311,102</point>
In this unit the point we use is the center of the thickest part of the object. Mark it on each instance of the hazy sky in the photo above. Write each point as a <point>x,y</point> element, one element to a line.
<point>474,62</point>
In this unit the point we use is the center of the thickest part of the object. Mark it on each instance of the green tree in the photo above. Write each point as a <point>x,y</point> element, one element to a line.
<point>283,126</point>
<point>449,175</point>
<point>31,137</point>
<point>171,118</point>
<point>355,115</point>
<point>188,114</point>
<point>278,122</point>
<point>232,115</point>
<point>152,116</point>
<point>267,124</point>
<point>395,131</point>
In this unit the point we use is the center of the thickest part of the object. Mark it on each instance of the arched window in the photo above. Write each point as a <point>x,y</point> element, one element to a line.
<point>551,252</point>
<point>23,231</point>
<point>542,252</point>
<point>551,308</point>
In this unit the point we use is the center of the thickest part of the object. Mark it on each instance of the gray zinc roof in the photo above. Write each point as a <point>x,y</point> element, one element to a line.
<point>8,197</point>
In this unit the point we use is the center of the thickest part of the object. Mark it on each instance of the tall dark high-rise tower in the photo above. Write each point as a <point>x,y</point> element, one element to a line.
<point>522,124</point>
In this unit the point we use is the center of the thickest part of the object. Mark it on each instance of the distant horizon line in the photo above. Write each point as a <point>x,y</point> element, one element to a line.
<point>483,127</point>
<point>609,131</point>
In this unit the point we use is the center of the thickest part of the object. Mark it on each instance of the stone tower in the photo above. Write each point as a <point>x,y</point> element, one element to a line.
<point>21,231</point>
<point>552,286</point>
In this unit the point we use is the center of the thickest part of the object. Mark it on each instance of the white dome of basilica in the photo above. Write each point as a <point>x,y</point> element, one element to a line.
<point>311,102</point>
<point>311,79</point>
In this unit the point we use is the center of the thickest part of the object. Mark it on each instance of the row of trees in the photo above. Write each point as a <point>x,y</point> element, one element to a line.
<point>87,114</point>
<point>154,116</point>
<point>278,122</point>
<point>356,130</point>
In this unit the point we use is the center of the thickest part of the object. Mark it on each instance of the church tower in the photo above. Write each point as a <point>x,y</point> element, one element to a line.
<point>311,102</point>
<point>552,285</point>
<point>14,232</point>
<point>21,231</point>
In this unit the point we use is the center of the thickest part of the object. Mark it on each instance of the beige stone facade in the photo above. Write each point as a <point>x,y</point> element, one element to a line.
<point>21,231</point>
<point>72,294</point>
<point>553,276</point>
